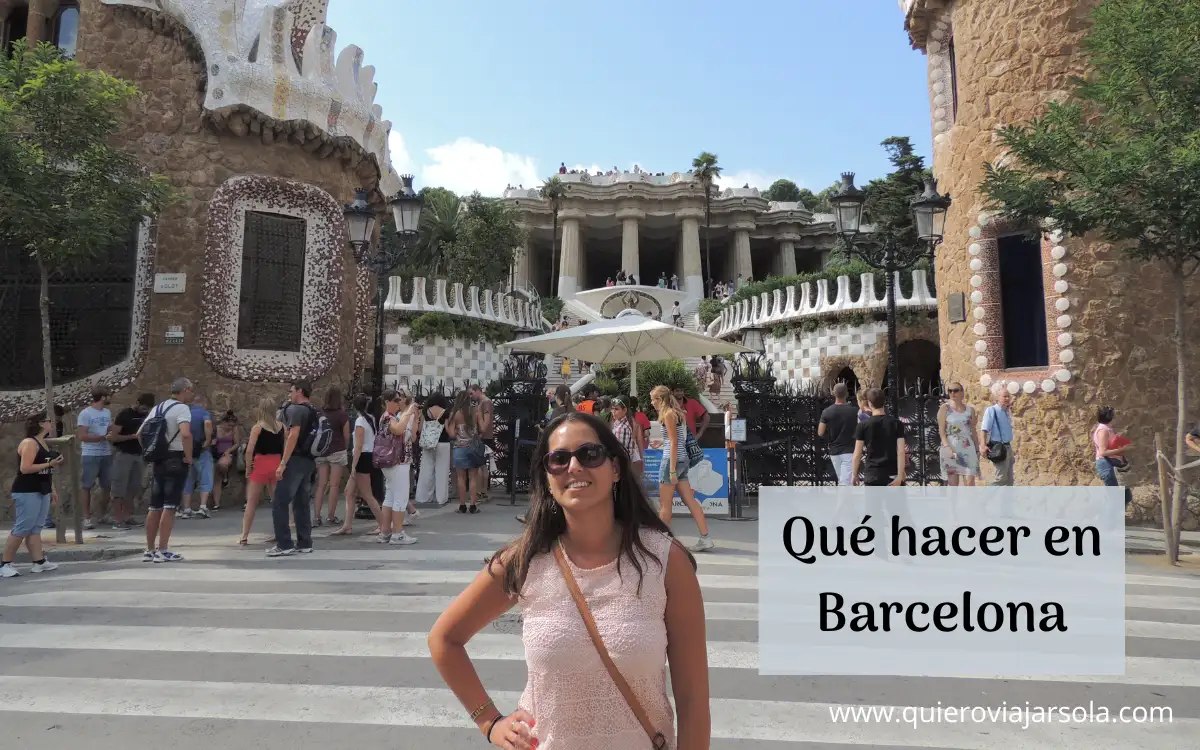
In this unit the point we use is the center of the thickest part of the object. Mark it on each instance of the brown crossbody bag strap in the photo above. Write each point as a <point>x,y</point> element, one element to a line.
<point>656,737</point>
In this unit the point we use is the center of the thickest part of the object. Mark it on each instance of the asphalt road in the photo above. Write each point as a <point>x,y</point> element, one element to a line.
<point>229,649</point>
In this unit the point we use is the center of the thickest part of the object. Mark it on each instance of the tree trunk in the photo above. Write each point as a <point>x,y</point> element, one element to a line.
<point>707,240</point>
<point>554,254</point>
<point>60,531</point>
<point>1181,414</point>
<point>1165,497</point>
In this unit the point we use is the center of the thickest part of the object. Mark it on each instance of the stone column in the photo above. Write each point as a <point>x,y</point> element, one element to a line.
<point>570,262</point>
<point>38,29</point>
<point>630,254</point>
<point>689,250</point>
<point>786,265</point>
<point>522,264</point>
<point>741,249</point>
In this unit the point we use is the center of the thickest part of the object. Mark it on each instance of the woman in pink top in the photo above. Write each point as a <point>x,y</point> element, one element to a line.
<point>640,589</point>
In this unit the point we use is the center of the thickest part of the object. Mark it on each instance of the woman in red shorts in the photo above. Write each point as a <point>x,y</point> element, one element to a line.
<point>264,451</point>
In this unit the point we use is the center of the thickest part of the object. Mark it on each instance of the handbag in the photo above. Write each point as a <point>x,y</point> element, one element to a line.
<point>657,739</point>
<point>695,453</point>
<point>390,450</point>
<point>997,452</point>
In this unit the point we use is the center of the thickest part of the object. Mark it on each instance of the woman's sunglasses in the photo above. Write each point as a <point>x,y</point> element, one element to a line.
<point>589,455</point>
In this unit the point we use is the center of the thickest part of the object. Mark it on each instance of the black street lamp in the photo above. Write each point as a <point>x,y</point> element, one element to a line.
<point>887,255</point>
<point>360,228</point>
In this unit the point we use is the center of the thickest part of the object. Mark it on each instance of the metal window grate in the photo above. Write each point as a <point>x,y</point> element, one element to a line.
<point>272,295</point>
<point>91,315</point>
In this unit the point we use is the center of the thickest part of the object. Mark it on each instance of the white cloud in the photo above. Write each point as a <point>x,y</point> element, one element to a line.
<point>754,178</point>
<point>466,165</point>
<point>401,160</point>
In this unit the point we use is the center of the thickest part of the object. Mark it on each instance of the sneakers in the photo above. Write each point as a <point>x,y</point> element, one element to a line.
<point>45,566</point>
<point>703,545</point>
<point>403,539</point>
<point>160,556</point>
<point>8,571</point>
<point>277,552</point>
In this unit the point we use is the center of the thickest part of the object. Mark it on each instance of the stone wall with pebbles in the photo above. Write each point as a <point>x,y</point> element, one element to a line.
<point>1109,318</point>
<point>171,135</point>
<point>325,237</point>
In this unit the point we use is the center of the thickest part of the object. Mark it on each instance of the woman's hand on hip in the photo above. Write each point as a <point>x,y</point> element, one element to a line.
<point>513,732</point>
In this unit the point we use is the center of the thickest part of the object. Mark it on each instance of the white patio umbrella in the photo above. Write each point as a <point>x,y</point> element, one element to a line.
<point>627,339</point>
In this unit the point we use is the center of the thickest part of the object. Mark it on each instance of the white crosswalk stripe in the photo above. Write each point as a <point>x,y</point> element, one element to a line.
<point>228,639</point>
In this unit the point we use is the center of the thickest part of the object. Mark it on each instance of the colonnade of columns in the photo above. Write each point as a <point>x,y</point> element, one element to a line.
<point>688,262</point>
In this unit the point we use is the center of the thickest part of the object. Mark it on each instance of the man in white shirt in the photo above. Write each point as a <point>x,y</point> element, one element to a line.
<point>166,492</point>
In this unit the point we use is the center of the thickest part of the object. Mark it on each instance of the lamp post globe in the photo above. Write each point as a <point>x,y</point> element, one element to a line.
<point>929,213</point>
<point>848,207</point>
<point>360,222</point>
<point>406,208</point>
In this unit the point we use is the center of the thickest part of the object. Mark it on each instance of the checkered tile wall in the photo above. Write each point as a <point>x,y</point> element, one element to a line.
<point>434,360</point>
<point>797,358</point>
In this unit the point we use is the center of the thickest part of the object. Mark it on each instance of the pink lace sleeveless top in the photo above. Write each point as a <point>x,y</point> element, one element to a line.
<point>574,702</point>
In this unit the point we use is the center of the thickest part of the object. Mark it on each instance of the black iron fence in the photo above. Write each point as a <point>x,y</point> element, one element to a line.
<point>782,446</point>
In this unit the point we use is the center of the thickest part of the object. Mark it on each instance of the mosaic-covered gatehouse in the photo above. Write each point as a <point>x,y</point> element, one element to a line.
<point>248,281</point>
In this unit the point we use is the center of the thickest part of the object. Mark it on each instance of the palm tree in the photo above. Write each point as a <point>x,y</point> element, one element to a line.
<point>440,216</point>
<point>705,168</point>
<point>553,190</point>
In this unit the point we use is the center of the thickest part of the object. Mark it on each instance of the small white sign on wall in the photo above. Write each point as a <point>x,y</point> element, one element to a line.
<point>174,335</point>
<point>170,283</point>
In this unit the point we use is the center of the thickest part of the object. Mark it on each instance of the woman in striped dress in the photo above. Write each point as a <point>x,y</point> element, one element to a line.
<point>629,433</point>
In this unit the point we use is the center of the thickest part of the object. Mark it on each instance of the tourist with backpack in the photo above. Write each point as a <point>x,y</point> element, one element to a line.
<point>166,438</point>
<point>308,436</point>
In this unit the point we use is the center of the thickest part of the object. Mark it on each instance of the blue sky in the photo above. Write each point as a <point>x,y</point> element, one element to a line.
<point>482,93</point>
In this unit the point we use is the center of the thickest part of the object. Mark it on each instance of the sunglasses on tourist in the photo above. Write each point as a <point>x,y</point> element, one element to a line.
<point>589,455</point>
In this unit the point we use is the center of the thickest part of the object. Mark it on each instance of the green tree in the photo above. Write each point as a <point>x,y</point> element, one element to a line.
<point>441,212</point>
<point>889,199</point>
<point>553,190</point>
<point>784,191</point>
<point>487,237</point>
<point>1121,158</point>
<point>819,202</point>
<point>66,193</point>
<point>706,170</point>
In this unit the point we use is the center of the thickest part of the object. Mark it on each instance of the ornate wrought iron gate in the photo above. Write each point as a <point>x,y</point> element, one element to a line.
<point>519,398</point>
<point>782,446</point>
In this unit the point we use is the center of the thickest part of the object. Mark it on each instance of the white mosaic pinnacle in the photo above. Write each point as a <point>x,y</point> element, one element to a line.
<point>337,98</point>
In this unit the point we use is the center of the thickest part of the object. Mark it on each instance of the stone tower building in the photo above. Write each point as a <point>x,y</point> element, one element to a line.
<point>1065,325</point>
<point>248,281</point>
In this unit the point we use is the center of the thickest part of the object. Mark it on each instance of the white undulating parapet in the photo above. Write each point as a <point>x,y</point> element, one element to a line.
<point>336,98</point>
<point>450,298</point>
<point>794,303</point>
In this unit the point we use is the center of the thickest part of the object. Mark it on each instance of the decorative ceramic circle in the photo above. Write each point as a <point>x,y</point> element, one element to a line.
<point>940,113</point>
<point>934,47</point>
<point>939,100</point>
<point>1064,321</point>
<point>940,138</point>
<point>976,296</point>
<point>976,281</point>
<point>980,329</point>
<point>975,248</point>
<point>984,218</point>
<point>1014,387</point>
<point>1056,236</point>
<point>1062,303</point>
<point>1061,286</point>
<point>939,87</point>
<point>938,33</point>
<point>1059,252</point>
<point>1066,356</point>
<point>981,362</point>
<point>985,380</point>
<point>1048,385</point>
<point>975,232</point>
<point>1063,375</point>
<point>1065,339</point>
<point>1060,269</point>
<point>976,264</point>
<point>981,346</point>
<point>1029,386</point>
<point>979,313</point>
<point>940,126</point>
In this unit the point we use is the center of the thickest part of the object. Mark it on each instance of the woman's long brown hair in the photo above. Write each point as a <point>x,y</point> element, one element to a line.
<point>545,525</point>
